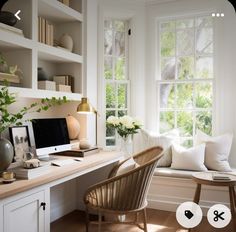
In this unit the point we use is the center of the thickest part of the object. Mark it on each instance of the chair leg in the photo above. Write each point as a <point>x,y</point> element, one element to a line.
<point>99,221</point>
<point>145,220</point>
<point>87,219</point>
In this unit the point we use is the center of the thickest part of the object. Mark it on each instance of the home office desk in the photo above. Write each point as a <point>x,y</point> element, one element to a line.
<point>25,204</point>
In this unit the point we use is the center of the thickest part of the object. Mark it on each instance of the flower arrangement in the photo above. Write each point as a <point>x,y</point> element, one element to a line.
<point>124,125</point>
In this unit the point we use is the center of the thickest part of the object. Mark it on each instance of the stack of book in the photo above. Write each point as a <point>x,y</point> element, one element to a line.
<point>7,28</point>
<point>24,173</point>
<point>11,78</point>
<point>45,31</point>
<point>66,2</point>
<point>64,83</point>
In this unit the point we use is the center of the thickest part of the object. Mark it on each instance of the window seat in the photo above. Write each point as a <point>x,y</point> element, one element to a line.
<point>169,188</point>
<point>168,172</point>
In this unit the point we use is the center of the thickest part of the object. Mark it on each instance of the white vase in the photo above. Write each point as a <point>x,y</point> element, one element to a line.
<point>66,41</point>
<point>126,146</point>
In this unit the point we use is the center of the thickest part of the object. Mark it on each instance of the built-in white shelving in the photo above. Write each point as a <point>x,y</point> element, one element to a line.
<point>29,54</point>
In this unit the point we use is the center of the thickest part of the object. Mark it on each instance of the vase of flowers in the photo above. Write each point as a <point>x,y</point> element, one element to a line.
<point>8,119</point>
<point>126,127</point>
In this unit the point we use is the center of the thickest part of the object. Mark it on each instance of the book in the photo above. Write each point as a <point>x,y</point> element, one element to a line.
<point>24,173</point>
<point>10,78</point>
<point>79,152</point>
<point>65,80</point>
<point>7,28</point>
<point>220,177</point>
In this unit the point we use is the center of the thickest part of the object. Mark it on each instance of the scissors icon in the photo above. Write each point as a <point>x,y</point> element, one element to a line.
<point>218,215</point>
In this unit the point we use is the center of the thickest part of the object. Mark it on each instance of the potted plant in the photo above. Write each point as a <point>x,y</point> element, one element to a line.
<point>126,127</point>
<point>8,119</point>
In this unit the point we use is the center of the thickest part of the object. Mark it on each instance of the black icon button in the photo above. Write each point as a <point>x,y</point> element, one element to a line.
<point>188,214</point>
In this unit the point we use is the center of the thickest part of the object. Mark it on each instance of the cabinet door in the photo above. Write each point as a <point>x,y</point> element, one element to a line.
<point>25,214</point>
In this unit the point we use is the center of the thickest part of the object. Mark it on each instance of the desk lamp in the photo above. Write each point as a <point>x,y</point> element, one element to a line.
<point>86,108</point>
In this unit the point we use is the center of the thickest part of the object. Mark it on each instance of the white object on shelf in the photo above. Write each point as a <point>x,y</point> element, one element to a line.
<point>47,85</point>
<point>63,88</point>
<point>10,78</point>
<point>66,41</point>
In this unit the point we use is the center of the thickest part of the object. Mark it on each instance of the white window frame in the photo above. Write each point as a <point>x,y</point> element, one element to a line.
<point>102,81</point>
<point>187,81</point>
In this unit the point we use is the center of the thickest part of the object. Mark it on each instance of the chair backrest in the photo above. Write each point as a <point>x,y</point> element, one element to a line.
<point>129,191</point>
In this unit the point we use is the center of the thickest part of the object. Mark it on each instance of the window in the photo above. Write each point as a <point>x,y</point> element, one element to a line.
<point>186,76</point>
<point>115,72</point>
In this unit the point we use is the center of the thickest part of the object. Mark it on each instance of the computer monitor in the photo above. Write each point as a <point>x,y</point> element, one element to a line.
<point>51,136</point>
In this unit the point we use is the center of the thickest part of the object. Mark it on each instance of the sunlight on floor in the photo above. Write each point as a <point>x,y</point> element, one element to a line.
<point>161,228</point>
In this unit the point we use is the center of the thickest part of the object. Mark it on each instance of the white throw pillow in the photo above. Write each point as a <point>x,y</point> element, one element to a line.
<point>217,150</point>
<point>146,139</point>
<point>127,166</point>
<point>188,159</point>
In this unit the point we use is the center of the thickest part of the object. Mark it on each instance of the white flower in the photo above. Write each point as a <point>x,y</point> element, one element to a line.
<point>113,120</point>
<point>126,121</point>
<point>137,122</point>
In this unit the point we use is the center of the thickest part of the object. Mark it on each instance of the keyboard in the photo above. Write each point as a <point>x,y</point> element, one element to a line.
<point>63,162</point>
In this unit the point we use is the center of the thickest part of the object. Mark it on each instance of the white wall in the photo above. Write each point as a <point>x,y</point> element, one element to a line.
<point>134,12</point>
<point>224,61</point>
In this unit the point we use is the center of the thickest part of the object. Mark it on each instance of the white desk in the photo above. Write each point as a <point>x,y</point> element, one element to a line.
<point>21,201</point>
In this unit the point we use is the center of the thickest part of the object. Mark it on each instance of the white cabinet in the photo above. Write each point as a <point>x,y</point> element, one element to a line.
<point>26,214</point>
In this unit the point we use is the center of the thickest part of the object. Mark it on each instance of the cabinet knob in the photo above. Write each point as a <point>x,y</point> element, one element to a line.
<point>43,204</point>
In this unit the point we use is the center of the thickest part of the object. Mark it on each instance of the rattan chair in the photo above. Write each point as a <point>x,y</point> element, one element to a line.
<point>126,193</point>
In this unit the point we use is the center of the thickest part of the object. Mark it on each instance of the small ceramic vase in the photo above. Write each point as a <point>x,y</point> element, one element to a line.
<point>66,42</point>
<point>42,76</point>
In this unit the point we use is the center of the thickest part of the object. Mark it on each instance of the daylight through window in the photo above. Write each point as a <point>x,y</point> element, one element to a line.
<point>186,79</point>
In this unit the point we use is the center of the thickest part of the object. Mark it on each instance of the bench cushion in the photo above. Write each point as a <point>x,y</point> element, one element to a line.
<point>168,172</point>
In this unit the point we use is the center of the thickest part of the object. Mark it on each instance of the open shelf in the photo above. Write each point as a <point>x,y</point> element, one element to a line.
<point>57,12</point>
<point>49,53</point>
<point>9,41</point>
<point>30,93</point>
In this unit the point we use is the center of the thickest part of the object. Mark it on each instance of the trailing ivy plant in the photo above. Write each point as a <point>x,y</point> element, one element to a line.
<point>8,119</point>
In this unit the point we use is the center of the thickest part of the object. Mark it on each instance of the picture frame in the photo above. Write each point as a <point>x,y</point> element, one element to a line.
<point>19,136</point>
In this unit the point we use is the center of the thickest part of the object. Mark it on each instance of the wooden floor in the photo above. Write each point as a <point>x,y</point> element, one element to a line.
<point>158,221</point>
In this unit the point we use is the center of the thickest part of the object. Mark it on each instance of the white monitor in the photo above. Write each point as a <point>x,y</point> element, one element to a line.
<point>51,136</point>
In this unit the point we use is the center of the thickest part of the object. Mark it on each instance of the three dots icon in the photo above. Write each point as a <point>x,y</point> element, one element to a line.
<point>217,14</point>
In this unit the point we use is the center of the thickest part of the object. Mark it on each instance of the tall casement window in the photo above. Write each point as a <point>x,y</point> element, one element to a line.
<point>115,72</point>
<point>185,85</point>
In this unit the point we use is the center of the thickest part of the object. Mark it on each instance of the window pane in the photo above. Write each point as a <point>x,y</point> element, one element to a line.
<point>109,130</point>
<point>168,69</point>
<point>204,40</point>
<point>204,95</point>
<point>119,44</point>
<point>110,95</point>
<point>108,42</point>
<point>167,96</point>
<point>122,113</point>
<point>184,95</point>
<point>119,25</point>
<point>185,42</point>
<point>166,121</point>
<point>186,23</point>
<point>168,25</point>
<point>120,69</point>
<point>108,67</point>
<point>185,123</point>
<point>204,22</point>
<point>204,122</point>
<point>122,96</point>
<point>110,142</point>
<point>168,43</point>
<point>185,68</point>
<point>204,66</point>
